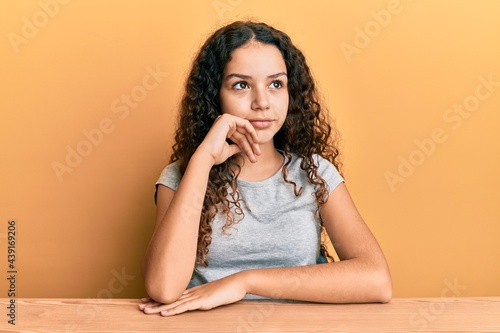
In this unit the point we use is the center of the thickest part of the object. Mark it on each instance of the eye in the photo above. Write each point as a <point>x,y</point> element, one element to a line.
<point>240,85</point>
<point>277,84</point>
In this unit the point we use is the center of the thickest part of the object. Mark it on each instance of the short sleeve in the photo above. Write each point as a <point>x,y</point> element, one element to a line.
<point>170,176</point>
<point>329,173</point>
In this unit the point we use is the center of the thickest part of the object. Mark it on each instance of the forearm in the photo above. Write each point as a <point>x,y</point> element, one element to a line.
<point>171,255</point>
<point>349,281</point>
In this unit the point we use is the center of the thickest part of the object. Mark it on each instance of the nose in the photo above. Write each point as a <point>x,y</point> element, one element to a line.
<point>260,100</point>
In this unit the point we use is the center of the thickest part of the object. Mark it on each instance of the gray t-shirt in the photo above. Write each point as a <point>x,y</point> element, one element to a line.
<point>278,230</point>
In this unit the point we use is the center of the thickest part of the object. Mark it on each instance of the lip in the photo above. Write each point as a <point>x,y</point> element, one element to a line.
<point>261,123</point>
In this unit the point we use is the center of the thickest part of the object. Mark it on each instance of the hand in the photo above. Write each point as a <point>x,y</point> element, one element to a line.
<point>241,133</point>
<point>204,297</point>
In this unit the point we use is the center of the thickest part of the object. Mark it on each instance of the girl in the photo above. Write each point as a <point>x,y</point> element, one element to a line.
<point>253,179</point>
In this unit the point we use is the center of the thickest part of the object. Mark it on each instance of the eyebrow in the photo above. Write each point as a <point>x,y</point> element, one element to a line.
<point>246,77</point>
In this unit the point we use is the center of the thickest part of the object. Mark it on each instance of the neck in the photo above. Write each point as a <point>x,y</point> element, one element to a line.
<point>268,163</point>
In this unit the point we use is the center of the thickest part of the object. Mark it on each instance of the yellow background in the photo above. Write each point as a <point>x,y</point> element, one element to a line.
<point>391,73</point>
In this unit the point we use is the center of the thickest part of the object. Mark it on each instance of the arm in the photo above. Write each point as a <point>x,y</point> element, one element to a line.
<point>362,275</point>
<point>170,258</point>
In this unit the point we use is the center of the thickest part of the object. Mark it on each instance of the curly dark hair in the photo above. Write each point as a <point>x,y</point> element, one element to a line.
<point>306,130</point>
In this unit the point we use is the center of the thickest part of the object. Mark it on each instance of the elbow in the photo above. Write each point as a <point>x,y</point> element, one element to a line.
<point>160,293</point>
<point>382,287</point>
<point>164,285</point>
<point>384,294</point>
<point>162,297</point>
<point>161,288</point>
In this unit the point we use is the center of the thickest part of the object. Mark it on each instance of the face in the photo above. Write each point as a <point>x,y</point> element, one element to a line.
<point>254,87</point>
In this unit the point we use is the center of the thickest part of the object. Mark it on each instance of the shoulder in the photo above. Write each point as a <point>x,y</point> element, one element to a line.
<point>170,176</point>
<point>320,161</point>
<point>326,170</point>
<point>323,164</point>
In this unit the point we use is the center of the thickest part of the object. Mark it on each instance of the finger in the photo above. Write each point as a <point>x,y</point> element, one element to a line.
<point>155,309</point>
<point>148,305</point>
<point>249,129</point>
<point>234,149</point>
<point>152,310</point>
<point>236,143</point>
<point>254,145</point>
<point>184,295</point>
<point>169,307</point>
<point>191,305</point>
<point>244,126</point>
<point>242,141</point>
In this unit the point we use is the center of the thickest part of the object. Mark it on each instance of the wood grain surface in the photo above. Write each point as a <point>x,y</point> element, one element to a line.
<point>122,315</point>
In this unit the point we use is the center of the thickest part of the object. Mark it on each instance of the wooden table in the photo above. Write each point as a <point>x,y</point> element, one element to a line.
<point>122,315</point>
